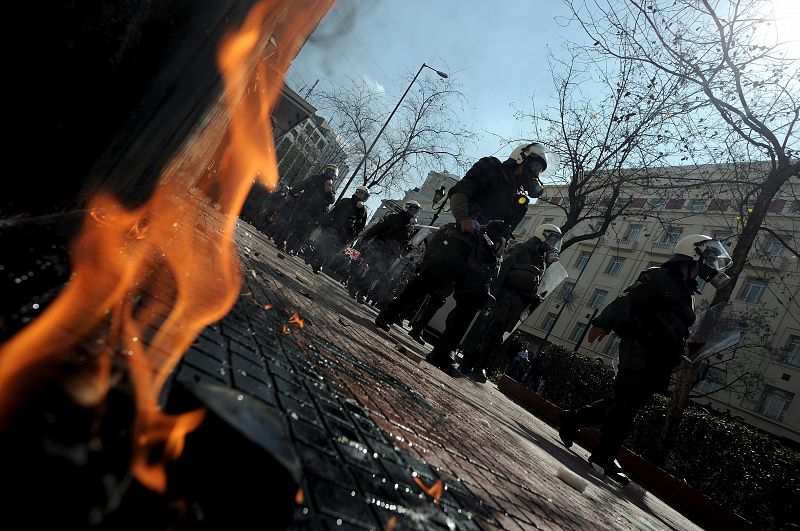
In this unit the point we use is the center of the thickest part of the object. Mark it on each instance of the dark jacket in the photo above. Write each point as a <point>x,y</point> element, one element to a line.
<point>346,218</point>
<point>491,190</point>
<point>656,310</point>
<point>392,232</point>
<point>516,272</point>
<point>311,198</point>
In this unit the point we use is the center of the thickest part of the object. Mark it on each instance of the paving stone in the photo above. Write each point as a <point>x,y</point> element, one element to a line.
<point>364,418</point>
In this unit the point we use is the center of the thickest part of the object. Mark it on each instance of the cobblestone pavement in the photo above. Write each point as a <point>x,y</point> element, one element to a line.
<point>376,427</point>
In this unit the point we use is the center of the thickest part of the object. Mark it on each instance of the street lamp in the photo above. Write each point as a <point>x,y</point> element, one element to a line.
<point>363,160</point>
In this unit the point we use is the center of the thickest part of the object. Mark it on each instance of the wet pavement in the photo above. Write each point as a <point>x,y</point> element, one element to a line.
<point>386,440</point>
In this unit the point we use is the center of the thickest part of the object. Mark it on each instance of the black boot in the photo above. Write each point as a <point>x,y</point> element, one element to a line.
<point>416,335</point>
<point>568,428</point>
<point>610,468</point>
<point>386,326</point>
<point>443,361</point>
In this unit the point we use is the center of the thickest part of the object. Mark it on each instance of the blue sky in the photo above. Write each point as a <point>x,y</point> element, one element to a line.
<point>496,50</point>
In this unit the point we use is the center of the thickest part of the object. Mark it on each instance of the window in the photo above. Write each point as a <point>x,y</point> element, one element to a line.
<point>614,266</point>
<point>656,204</point>
<point>598,298</point>
<point>792,355</point>
<point>772,247</point>
<point>696,205</point>
<point>565,293</point>
<point>713,380</point>
<point>672,235</point>
<point>722,235</point>
<point>633,233</point>
<point>523,225</point>
<point>577,332</point>
<point>612,349</point>
<point>582,260</point>
<point>548,322</point>
<point>775,403</point>
<point>547,220</point>
<point>795,208</point>
<point>753,290</point>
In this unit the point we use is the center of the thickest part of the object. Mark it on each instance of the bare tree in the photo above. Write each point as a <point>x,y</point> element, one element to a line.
<point>739,83</point>
<point>607,137</point>
<point>426,132</point>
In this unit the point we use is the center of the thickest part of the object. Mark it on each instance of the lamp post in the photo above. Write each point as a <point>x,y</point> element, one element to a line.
<point>363,160</point>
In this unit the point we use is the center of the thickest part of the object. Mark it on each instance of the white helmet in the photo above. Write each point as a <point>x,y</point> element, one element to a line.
<point>334,169</point>
<point>361,193</point>
<point>412,207</point>
<point>549,234</point>
<point>711,254</point>
<point>525,151</point>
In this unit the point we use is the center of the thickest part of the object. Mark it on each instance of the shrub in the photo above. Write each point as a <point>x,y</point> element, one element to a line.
<point>740,468</point>
<point>572,380</point>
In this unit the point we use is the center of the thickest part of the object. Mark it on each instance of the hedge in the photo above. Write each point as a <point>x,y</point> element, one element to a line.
<point>748,471</point>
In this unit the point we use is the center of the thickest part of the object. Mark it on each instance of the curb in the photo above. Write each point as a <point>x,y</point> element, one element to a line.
<point>690,502</point>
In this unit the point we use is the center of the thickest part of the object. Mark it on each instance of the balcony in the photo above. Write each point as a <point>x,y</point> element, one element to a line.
<point>623,243</point>
<point>662,248</point>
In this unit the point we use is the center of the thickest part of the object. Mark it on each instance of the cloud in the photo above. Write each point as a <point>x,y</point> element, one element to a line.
<point>373,85</point>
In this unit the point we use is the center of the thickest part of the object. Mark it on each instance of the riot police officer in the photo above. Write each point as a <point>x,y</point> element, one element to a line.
<point>652,317</point>
<point>487,204</point>
<point>382,244</point>
<point>515,290</point>
<point>311,199</point>
<point>343,223</point>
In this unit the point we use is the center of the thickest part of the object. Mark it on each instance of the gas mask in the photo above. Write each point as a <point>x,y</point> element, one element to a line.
<point>528,178</point>
<point>714,260</point>
<point>718,279</point>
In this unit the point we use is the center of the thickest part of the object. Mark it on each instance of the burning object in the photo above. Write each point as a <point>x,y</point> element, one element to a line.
<point>81,424</point>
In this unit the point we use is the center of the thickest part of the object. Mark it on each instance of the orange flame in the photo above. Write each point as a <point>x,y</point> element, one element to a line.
<point>148,280</point>
<point>434,491</point>
<point>267,306</point>
<point>390,523</point>
<point>296,320</point>
<point>299,497</point>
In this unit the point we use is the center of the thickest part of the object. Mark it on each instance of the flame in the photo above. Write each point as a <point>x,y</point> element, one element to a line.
<point>267,306</point>
<point>434,491</point>
<point>146,281</point>
<point>390,523</point>
<point>299,497</point>
<point>296,320</point>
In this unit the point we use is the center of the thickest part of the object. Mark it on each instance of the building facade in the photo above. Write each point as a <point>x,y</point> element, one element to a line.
<point>759,380</point>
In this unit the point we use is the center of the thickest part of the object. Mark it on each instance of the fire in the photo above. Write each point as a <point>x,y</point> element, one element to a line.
<point>296,320</point>
<point>434,491</point>
<point>146,281</point>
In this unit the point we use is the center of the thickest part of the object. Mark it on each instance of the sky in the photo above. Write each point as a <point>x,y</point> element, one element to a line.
<point>496,50</point>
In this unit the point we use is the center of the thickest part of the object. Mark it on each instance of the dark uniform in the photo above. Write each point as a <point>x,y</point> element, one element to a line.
<point>652,318</point>
<point>311,202</point>
<point>381,245</point>
<point>464,258</point>
<point>515,290</point>
<point>344,221</point>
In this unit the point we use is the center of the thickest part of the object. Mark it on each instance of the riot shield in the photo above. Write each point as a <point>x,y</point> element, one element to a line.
<point>713,331</point>
<point>553,276</point>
